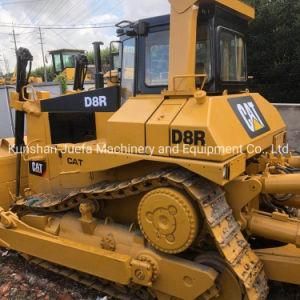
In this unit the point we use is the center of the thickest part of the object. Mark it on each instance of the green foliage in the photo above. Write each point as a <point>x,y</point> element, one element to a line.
<point>62,80</point>
<point>39,72</point>
<point>274,49</point>
<point>105,57</point>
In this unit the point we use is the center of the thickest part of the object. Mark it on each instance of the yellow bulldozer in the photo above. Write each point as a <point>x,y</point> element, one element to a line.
<point>174,185</point>
<point>64,62</point>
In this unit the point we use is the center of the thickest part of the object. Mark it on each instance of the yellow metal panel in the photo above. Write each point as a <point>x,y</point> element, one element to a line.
<point>94,161</point>
<point>69,73</point>
<point>101,124</point>
<point>157,129</point>
<point>93,260</point>
<point>282,263</point>
<point>182,54</point>
<point>223,129</point>
<point>193,117</point>
<point>239,7</point>
<point>181,6</point>
<point>127,125</point>
<point>8,173</point>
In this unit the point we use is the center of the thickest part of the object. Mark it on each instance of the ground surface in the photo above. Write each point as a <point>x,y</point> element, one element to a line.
<point>20,280</point>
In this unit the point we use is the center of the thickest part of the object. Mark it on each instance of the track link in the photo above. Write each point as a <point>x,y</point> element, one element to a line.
<point>104,287</point>
<point>212,203</point>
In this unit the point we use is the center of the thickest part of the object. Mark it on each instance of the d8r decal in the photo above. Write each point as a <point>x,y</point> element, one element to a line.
<point>188,137</point>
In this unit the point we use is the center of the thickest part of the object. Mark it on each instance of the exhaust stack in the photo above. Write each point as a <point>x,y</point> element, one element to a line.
<point>99,79</point>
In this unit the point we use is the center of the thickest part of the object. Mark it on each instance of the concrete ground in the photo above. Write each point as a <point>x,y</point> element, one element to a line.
<point>291,115</point>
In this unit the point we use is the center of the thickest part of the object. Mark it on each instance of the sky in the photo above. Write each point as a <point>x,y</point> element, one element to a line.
<point>66,12</point>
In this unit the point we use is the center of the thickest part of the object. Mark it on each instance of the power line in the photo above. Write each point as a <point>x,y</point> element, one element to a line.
<point>100,5</point>
<point>41,9</point>
<point>79,15</point>
<point>27,33</point>
<point>56,9</point>
<point>68,11</point>
<point>63,27</point>
<point>19,2</point>
<point>65,40</point>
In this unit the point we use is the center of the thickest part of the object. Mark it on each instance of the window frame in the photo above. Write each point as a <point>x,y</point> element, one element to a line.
<point>69,56</point>
<point>142,87</point>
<point>54,56</point>
<point>144,62</point>
<point>219,31</point>
<point>135,64</point>
<point>210,32</point>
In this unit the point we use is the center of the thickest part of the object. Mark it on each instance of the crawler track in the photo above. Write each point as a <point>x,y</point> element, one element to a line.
<point>211,200</point>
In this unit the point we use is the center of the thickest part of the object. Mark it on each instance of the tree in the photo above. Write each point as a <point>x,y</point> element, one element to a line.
<point>274,49</point>
<point>39,72</point>
<point>105,57</point>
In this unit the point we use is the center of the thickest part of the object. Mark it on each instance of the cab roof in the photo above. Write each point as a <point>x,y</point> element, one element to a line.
<point>66,50</point>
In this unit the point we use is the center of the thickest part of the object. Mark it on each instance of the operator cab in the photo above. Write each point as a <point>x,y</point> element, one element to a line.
<point>220,52</point>
<point>64,58</point>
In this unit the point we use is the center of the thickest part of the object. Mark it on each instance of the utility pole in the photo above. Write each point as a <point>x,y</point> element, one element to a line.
<point>15,41</point>
<point>43,54</point>
<point>14,35</point>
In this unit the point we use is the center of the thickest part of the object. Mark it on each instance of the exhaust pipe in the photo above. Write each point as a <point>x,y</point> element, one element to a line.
<point>99,78</point>
<point>24,58</point>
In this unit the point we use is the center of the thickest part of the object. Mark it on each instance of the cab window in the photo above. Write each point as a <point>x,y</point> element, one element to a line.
<point>157,58</point>
<point>128,69</point>
<point>203,53</point>
<point>232,56</point>
<point>68,61</point>
<point>57,63</point>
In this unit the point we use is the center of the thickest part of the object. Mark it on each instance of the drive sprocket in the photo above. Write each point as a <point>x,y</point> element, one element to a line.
<point>168,220</point>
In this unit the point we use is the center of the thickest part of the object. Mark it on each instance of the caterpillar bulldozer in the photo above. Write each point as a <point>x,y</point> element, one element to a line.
<point>174,184</point>
<point>64,62</point>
